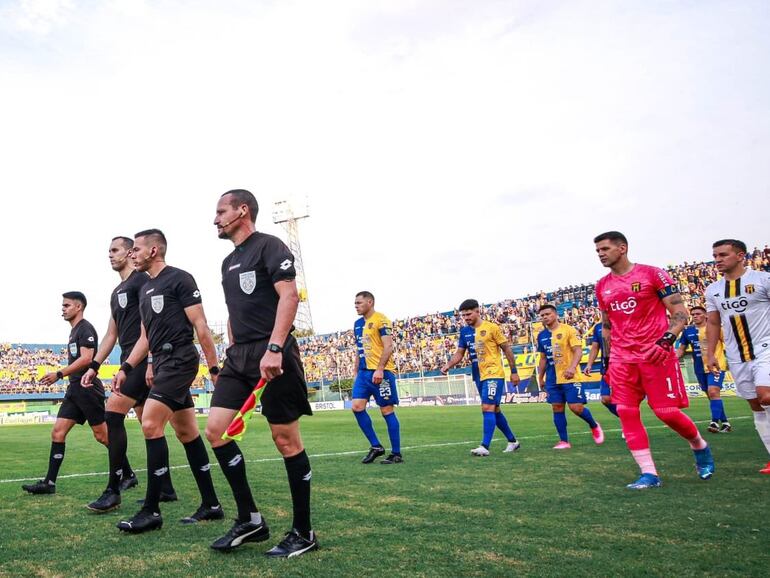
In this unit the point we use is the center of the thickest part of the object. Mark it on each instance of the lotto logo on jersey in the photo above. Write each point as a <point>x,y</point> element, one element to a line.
<point>628,306</point>
<point>738,306</point>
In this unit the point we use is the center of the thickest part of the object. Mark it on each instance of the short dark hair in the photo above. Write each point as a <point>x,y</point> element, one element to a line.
<point>157,237</point>
<point>244,197</point>
<point>547,306</point>
<point>614,236</point>
<point>468,304</point>
<point>694,307</point>
<point>739,246</point>
<point>365,295</point>
<point>128,242</point>
<point>76,296</point>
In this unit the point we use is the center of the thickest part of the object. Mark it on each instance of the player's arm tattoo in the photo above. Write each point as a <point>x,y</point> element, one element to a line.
<point>675,305</point>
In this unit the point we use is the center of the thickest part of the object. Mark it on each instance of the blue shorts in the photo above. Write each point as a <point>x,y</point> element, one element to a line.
<point>566,392</point>
<point>706,380</point>
<point>605,387</point>
<point>491,391</point>
<point>384,394</point>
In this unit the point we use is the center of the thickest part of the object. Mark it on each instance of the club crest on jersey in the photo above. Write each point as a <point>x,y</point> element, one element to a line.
<point>370,326</point>
<point>483,332</point>
<point>636,287</point>
<point>74,348</point>
<point>558,336</point>
<point>122,300</point>
<point>248,281</point>
<point>157,303</point>
<point>749,289</point>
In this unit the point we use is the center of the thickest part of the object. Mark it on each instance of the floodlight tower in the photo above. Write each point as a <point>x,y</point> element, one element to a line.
<point>287,214</point>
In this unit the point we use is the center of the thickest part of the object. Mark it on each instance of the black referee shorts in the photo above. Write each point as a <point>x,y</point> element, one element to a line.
<point>83,404</point>
<point>135,385</point>
<point>284,399</point>
<point>173,374</point>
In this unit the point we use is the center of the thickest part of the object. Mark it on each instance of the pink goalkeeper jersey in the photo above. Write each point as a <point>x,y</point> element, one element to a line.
<point>633,304</point>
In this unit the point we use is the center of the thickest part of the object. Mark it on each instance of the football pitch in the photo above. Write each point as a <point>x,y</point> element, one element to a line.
<point>536,512</point>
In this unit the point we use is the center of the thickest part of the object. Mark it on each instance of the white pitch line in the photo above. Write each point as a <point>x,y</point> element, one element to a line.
<point>353,452</point>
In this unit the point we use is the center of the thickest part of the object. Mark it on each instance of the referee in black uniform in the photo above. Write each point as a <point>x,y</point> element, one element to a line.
<point>80,404</point>
<point>124,327</point>
<point>170,307</point>
<point>261,294</point>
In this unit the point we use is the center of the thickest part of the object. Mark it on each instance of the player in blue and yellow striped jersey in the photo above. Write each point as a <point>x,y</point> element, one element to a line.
<point>560,352</point>
<point>375,377</point>
<point>694,336</point>
<point>483,340</point>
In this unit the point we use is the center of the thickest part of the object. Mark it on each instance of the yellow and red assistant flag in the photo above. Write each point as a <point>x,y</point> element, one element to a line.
<point>237,427</point>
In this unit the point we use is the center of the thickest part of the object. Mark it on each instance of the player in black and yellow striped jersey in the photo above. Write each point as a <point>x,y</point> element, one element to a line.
<point>740,302</point>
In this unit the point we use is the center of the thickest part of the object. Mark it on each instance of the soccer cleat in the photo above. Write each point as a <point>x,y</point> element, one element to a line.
<point>163,498</point>
<point>511,447</point>
<point>240,533</point>
<point>128,483</point>
<point>704,463</point>
<point>143,521</point>
<point>108,501</point>
<point>374,453</point>
<point>40,487</point>
<point>645,482</point>
<point>562,445</point>
<point>725,427</point>
<point>204,514</point>
<point>480,451</point>
<point>598,434</point>
<point>766,469</point>
<point>293,545</point>
<point>393,459</point>
<point>713,427</point>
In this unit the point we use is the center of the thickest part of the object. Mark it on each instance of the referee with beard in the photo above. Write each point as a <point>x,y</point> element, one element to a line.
<point>261,294</point>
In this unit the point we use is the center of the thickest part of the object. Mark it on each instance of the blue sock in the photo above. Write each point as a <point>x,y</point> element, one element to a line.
<point>489,427</point>
<point>612,408</point>
<point>502,425</point>
<point>560,421</point>
<point>365,423</point>
<point>394,432</point>
<point>587,417</point>
<point>717,410</point>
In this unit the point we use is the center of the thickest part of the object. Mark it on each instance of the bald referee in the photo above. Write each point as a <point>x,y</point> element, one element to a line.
<point>261,294</point>
<point>170,307</point>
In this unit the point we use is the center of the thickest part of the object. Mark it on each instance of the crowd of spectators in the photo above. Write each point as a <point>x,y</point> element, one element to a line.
<point>422,344</point>
<point>19,369</point>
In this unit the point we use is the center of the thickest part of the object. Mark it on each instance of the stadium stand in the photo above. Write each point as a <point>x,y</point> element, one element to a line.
<point>422,343</point>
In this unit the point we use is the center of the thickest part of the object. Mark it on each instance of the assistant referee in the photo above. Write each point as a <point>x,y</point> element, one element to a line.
<point>258,278</point>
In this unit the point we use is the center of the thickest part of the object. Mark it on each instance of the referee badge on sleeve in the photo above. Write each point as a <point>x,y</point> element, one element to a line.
<point>248,281</point>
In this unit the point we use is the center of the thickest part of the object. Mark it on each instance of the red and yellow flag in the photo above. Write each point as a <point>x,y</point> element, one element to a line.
<point>237,427</point>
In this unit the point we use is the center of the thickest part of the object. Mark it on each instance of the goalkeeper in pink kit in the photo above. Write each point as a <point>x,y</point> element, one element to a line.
<point>638,340</point>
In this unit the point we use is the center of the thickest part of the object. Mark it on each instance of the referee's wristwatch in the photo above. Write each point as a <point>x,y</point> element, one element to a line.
<point>275,348</point>
<point>214,370</point>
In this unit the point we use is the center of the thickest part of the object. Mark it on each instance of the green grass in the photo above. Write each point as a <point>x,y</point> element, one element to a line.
<point>441,513</point>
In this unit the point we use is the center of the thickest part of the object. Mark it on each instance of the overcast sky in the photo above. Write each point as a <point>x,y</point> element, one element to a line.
<point>448,149</point>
